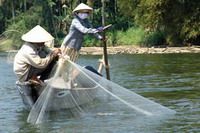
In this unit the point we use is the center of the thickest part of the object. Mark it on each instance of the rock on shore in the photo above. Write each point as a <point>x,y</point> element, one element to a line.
<point>139,50</point>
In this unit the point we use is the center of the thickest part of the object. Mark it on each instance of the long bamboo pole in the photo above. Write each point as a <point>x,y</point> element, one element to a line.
<point>104,42</point>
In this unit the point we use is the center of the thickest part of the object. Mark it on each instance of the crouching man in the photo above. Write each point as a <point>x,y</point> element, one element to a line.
<point>33,63</point>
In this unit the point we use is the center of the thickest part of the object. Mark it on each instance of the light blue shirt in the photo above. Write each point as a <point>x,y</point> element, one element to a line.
<point>77,30</point>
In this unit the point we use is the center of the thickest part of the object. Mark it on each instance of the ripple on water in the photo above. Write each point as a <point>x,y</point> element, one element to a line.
<point>171,80</point>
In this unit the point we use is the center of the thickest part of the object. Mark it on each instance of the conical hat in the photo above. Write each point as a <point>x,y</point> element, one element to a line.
<point>82,6</point>
<point>37,35</point>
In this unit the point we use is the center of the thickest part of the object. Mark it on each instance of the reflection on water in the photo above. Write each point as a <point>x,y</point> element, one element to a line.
<point>171,80</point>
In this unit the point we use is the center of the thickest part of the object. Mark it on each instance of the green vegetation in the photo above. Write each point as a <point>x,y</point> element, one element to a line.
<point>135,22</point>
<point>131,36</point>
<point>6,44</point>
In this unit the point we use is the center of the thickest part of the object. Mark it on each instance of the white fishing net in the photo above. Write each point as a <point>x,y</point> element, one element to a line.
<point>76,91</point>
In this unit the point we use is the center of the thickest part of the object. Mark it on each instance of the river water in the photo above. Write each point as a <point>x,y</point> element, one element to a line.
<point>171,80</point>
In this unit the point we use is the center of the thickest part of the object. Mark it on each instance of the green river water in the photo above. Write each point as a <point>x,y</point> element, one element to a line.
<point>171,80</point>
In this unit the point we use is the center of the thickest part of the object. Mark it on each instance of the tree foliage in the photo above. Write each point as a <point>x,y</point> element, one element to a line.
<point>174,22</point>
<point>178,19</point>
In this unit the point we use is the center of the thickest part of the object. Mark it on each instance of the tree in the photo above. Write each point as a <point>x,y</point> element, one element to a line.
<point>190,31</point>
<point>177,19</point>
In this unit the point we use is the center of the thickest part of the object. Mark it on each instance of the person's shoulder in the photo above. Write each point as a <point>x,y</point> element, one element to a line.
<point>75,20</point>
<point>27,48</point>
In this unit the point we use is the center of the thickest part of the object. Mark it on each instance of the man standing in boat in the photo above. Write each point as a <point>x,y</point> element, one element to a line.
<point>33,63</point>
<point>79,27</point>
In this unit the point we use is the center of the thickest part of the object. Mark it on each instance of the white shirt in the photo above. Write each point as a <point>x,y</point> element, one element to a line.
<point>26,57</point>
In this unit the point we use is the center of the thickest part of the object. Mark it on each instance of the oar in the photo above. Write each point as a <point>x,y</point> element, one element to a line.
<point>107,26</point>
<point>104,42</point>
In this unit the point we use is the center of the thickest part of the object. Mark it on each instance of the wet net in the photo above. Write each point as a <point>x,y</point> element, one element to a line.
<point>76,91</point>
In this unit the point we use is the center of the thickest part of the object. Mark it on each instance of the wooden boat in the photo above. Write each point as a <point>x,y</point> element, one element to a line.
<point>64,95</point>
<point>70,95</point>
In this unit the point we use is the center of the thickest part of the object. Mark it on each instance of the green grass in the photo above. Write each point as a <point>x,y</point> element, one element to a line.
<point>132,36</point>
<point>6,44</point>
<point>10,44</point>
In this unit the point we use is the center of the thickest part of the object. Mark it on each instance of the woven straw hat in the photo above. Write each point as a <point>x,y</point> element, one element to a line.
<point>37,35</point>
<point>81,7</point>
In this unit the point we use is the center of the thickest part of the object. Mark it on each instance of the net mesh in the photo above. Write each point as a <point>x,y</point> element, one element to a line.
<point>80,92</point>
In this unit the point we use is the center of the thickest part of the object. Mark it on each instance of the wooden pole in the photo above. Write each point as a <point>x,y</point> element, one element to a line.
<point>104,42</point>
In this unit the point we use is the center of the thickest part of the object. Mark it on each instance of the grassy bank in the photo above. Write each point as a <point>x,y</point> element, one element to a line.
<point>132,37</point>
<point>6,44</point>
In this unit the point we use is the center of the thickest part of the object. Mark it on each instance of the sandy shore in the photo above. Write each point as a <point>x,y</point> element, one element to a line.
<point>139,50</point>
<point>135,50</point>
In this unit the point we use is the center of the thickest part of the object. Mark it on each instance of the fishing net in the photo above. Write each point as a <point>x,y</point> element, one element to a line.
<point>11,56</point>
<point>76,91</point>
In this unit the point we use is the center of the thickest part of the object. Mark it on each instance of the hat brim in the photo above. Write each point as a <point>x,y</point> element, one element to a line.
<point>81,7</point>
<point>83,10</point>
<point>37,35</point>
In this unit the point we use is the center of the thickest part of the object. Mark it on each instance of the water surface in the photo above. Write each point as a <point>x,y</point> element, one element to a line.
<point>171,80</point>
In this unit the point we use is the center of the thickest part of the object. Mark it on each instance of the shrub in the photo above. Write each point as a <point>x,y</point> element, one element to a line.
<point>154,39</point>
<point>23,23</point>
<point>133,36</point>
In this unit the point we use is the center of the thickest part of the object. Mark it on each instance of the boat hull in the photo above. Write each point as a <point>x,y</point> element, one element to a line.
<point>61,98</point>
<point>70,98</point>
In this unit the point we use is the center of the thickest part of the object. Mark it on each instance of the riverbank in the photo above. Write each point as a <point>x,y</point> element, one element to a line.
<point>135,50</point>
<point>139,50</point>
